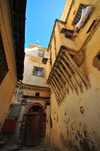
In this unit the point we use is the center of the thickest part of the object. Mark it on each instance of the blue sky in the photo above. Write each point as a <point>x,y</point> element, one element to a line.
<point>40,18</point>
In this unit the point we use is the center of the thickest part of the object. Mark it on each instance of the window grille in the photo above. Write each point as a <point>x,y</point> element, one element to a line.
<point>38,71</point>
<point>3,61</point>
<point>78,15</point>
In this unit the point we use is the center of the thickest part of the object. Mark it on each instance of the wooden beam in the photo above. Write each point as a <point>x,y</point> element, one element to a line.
<point>55,91</point>
<point>56,87</point>
<point>76,68</point>
<point>73,74</point>
<point>67,88</point>
<point>60,88</point>
<point>68,79</point>
<point>60,82</point>
<point>70,74</point>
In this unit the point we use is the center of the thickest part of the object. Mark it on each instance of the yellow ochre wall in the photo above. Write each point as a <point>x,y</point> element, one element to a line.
<point>9,82</point>
<point>71,130</point>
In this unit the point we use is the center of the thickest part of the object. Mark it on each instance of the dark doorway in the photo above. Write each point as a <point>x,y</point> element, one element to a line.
<point>34,126</point>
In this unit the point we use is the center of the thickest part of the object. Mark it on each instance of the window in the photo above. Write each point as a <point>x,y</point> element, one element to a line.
<point>38,71</point>
<point>92,26</point>
<point>3,61</point>
<point>41,53</point>
<point>51,58</point>
<point>81,16</point>
<point>78,15</point>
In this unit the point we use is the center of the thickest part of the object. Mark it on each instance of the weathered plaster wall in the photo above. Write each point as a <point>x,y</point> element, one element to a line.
<point>9,82</point>
<point>48,112</point>
<point>78,126</point>
<point>75,123</point>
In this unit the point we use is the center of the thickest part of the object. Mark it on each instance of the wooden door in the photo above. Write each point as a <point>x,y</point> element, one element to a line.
<point>33,132</point>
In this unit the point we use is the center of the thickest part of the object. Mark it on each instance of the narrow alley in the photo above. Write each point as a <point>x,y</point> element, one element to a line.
<point>50,94</point>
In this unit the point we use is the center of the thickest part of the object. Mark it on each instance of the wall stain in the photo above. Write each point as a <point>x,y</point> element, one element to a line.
<point>80,136</point>
<point>85,145</point>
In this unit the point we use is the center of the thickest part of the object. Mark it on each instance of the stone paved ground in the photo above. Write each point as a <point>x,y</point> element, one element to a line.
<point>41,147</point>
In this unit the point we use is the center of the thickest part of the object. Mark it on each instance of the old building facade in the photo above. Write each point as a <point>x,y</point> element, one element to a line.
<point>11,51</point>
<point>31,102</point>
<point>74,76</point>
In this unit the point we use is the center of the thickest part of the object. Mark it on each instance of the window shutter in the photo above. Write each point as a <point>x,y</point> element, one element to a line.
<point>42,72</point>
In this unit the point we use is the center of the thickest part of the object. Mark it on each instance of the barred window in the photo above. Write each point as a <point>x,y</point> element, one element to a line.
<point>78,15</point>
<point>3,61</point>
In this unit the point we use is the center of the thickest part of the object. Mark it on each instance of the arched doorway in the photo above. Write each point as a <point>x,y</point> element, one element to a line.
<point>35,125</point>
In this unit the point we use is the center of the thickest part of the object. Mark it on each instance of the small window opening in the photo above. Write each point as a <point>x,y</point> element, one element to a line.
<point>51,58</point>
<point>50,122</point>
<point>92,26</point>
<point>37,94</point>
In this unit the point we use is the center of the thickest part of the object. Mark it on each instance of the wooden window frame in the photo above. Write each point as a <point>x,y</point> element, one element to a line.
<point>39,69</point>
